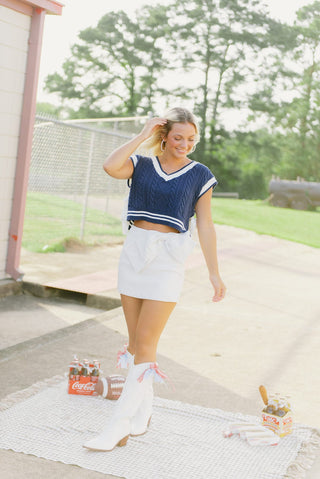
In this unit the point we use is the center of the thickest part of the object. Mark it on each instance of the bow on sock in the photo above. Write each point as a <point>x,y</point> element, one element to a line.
<point>123,358</point>
<point>158,375</point>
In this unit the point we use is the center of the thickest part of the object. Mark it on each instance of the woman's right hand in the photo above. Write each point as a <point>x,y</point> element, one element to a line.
<point>151,126</point>
<point>118,164</point>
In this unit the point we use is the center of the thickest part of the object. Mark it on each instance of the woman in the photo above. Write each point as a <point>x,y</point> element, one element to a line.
<point>166,190</point>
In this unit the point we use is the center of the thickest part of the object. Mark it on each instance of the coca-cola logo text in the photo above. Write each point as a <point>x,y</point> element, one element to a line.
<point>77,386</point>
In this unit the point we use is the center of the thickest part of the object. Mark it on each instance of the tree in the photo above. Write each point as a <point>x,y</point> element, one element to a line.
<point>114,66</point>
<point>48,109</point>
<point>303,117</point>
<point>290,98</point>
<point>225,55</point>
<point>244,162</point>
<point>220,40</point>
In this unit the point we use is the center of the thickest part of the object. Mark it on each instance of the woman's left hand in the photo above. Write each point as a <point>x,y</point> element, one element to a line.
<point>219,288</point>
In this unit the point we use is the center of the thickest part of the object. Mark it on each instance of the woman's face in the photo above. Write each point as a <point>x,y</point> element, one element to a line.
<point>180,139</point>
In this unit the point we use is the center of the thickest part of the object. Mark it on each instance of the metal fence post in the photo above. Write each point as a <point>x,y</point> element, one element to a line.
<point>87,186</point>
<point>75,188</point>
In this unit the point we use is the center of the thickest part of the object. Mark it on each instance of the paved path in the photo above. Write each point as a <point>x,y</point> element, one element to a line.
<point>266,331</point>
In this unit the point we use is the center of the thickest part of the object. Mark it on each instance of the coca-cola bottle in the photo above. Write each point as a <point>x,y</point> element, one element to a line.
<point>284,407</point>
<point>272,405</point>
<point>74,369</point>
<point>95,371</point>
<point>85,370</point>
<point>288,403</point>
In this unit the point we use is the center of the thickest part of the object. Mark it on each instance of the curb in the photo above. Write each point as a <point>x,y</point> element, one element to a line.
<point>11,288</point>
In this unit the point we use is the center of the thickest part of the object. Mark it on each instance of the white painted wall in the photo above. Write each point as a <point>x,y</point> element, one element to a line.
<point>14,35</point>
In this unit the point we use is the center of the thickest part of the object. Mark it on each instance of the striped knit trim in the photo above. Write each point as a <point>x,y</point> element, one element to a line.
<point>170,176</point>
<point>134,160</point>
<point>209,184</point>
<point>156,216</point>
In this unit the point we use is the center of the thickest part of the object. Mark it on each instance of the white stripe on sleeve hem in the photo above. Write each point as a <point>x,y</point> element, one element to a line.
<point>134,160</point>
<point>209,184</point>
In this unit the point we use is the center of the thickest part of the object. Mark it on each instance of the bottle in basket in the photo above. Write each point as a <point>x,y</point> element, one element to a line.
<point>95,371</point>
<point>288,403</point>
<point>85,369</point>
<point>277,414</point>
<point>284,407</point>
<point>272,405</point>
<point>74,369</point>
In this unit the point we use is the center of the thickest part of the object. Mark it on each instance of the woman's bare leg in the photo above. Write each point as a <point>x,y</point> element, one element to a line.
<point>131,308</point>
<point>153,316</point>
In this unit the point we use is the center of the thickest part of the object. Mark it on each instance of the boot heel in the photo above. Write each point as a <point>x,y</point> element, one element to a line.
<point>123,441</point>
<point>143,431</point>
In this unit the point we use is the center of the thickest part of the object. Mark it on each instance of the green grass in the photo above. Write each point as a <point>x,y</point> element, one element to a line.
<point>259,216</point>
<point>51,221</point>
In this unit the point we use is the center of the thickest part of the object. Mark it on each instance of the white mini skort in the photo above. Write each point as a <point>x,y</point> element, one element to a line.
<point>152,264</point>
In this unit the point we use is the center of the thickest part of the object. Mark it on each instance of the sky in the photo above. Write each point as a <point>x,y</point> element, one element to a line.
<point>61,32</point>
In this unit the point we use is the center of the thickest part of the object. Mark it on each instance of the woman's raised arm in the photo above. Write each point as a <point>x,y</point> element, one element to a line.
<point>118,163</point>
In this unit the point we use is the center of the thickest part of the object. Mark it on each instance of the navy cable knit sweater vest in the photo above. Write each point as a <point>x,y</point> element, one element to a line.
<point>164,198</point>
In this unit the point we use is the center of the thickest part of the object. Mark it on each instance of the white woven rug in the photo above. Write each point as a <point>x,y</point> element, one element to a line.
<point>184,441</point>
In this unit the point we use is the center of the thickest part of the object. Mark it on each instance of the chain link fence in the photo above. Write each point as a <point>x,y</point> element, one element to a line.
<point>67,184</point>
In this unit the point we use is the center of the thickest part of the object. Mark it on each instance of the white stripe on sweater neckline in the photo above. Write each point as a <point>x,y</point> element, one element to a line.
<point>171,176</point>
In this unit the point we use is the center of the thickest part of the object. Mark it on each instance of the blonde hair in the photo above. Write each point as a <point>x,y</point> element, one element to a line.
<point>175,115</point>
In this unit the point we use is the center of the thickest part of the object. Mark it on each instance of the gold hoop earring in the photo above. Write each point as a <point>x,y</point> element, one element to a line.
<point>193,149</point>
<point>162,148</point>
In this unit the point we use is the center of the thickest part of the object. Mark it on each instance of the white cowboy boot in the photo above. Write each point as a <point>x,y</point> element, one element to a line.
<point>141,420</point>
<point>118,429</point>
